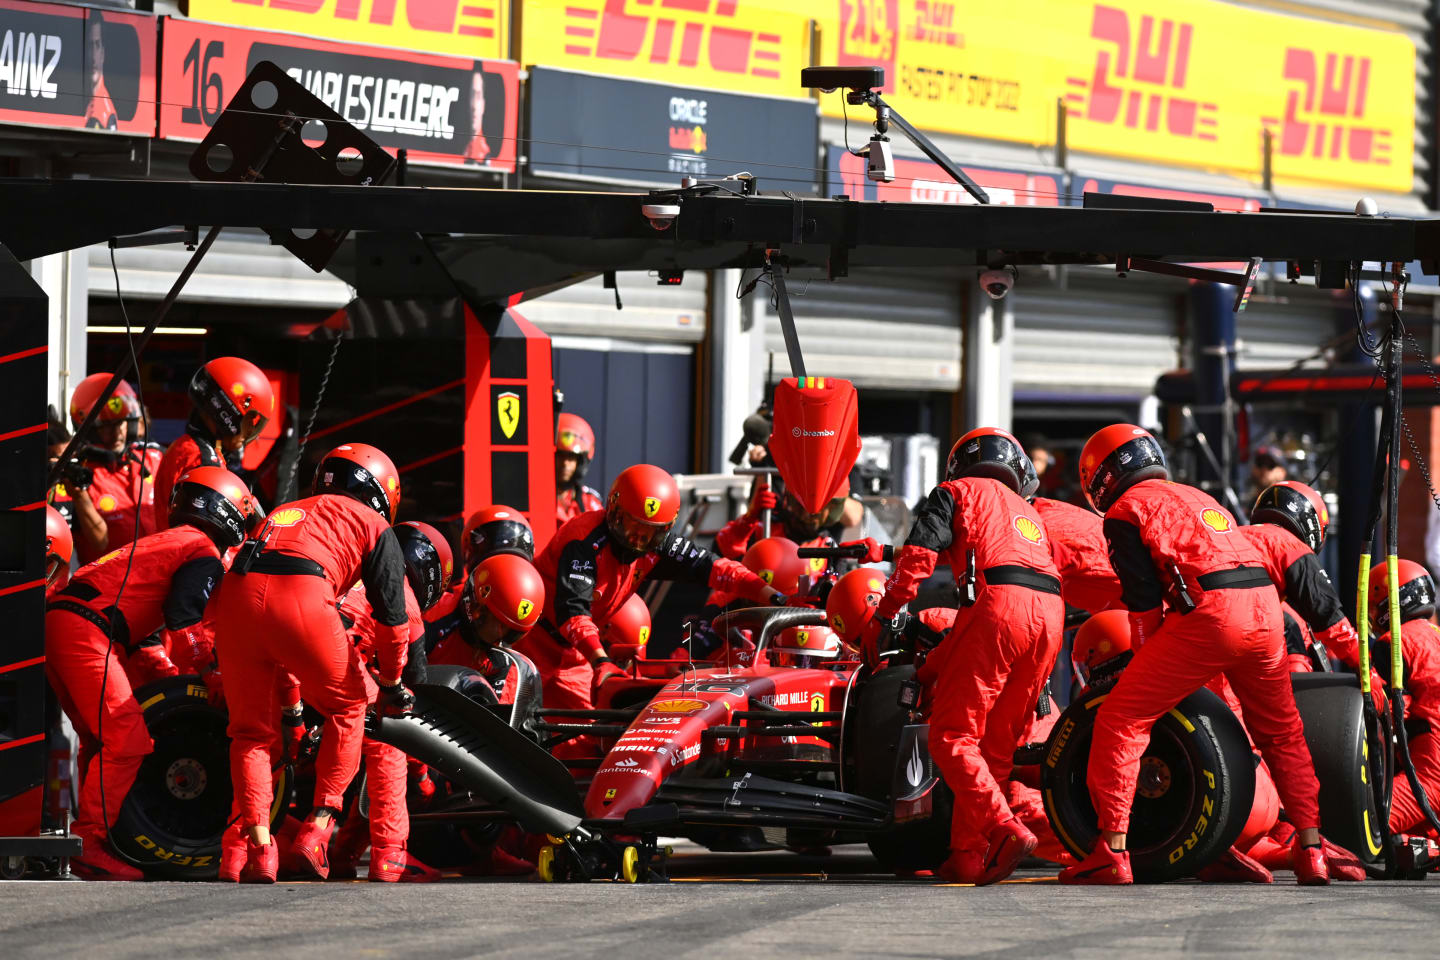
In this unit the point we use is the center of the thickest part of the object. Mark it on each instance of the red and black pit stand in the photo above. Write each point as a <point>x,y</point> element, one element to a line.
<point>24,331</point>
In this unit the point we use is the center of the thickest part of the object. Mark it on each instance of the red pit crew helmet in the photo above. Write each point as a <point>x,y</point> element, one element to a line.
<point>1115,459</point>
<point>494,530</point>
<point>428,560</point>
<point>643,504</point>
<point>59,545</point>
<point>360,471</point>
<point>627,632</point>
<point>233,397</point>
<point>122,404</point>
<point>503,599</point>
<point>1295,507</point>
<point>1417,593</point>
<point>993,453</point>
<point>1103,637</point>
<point>775,560</point>
<point>852,602</point>
<point>214,500</point>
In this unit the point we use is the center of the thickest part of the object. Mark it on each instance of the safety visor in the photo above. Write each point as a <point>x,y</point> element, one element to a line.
<point>812,523</point>
<point>640,536</point>
<point>252,422</point>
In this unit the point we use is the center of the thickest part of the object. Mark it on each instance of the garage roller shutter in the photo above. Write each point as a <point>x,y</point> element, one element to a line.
<point>1279,334</point>
<point>243,267</point>
<point>651,312</point>
<point>1104,337</point>
<point>892,329</point>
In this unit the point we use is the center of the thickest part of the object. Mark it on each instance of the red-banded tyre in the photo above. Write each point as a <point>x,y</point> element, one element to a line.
<point>1193,796</point>
<point>171,821</point>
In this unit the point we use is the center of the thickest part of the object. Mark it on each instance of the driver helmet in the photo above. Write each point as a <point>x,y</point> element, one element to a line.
<point>805,646</point>
<point>801,525</point>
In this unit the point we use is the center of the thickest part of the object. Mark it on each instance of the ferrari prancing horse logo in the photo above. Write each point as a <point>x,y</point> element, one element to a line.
<point>524,609</point>
<point>652,507</point>
<point>507,408</point>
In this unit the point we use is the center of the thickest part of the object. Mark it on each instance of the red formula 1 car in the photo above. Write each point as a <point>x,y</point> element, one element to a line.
<point>801,755</point>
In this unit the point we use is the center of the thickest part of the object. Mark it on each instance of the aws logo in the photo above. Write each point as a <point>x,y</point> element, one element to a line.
<point>1215,520</point>
<point>287,517</point>
<point>1029,529</point>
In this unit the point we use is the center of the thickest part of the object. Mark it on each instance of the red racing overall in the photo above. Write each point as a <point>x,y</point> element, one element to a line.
<point>1420,655</point>
<point>280,615</point>
<point>1077,542</point>
<point>193,449</point>
<point>1154,529</point>
<point>1307,594</point>
<point>119,489</point>
<point>170,580</point>
<point>984,680</point>
<point>585,583</point>
<point>385,766</point>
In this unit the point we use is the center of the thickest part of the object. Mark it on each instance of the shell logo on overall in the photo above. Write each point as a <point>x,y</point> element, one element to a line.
<point>1215,520</point>
<point>1029,529</point>
<point>287,517</point>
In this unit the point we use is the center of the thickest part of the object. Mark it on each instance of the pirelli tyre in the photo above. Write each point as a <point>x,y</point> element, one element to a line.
<point>890,760</point>
<point>1195,791</point>
<point>1332,710</point>
<point>171,821</point>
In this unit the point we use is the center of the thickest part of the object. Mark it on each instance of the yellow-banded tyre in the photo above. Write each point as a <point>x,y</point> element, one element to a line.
<point>1194,793</point>
<point>1332,709</point>
<point>171,821</point>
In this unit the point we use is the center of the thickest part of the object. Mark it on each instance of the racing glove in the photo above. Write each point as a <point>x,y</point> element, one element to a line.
<point>214,688</point>
<point>1143,624</point>
<point>193,648</point>
<point>874,552</point>
<point>913,566</point>
<point>604,669</point>
<point>736,578</point>
<point>294,734</point>
<point>395,701</point>
<point>763,499</point>
<point>1342,641</point>
<point>580,631</point>
<point>150,661</point>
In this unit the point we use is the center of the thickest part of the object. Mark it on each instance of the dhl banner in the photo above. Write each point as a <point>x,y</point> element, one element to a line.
<point>473,29</point>
<point>1190,82</point>
<point>737,46</point>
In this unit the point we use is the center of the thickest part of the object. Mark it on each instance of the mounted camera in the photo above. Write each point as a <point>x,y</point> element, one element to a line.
<point>660,215</point>
<point>999,282</point>
<point>830,79</point>
<point>879,160</point>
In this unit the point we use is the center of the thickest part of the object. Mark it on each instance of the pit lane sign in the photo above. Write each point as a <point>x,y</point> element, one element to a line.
<point>442,109</point>
<point>66,66</point>
<point>473,29</point>
<point>585,127</point>
<point>1150,79</point>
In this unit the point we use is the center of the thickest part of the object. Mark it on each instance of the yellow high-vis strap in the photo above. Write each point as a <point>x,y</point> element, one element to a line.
<point>1397,667</point>
<point>1362,618</point>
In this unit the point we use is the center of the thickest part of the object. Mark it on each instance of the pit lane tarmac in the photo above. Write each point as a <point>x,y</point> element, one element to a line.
<point>722,906</point>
